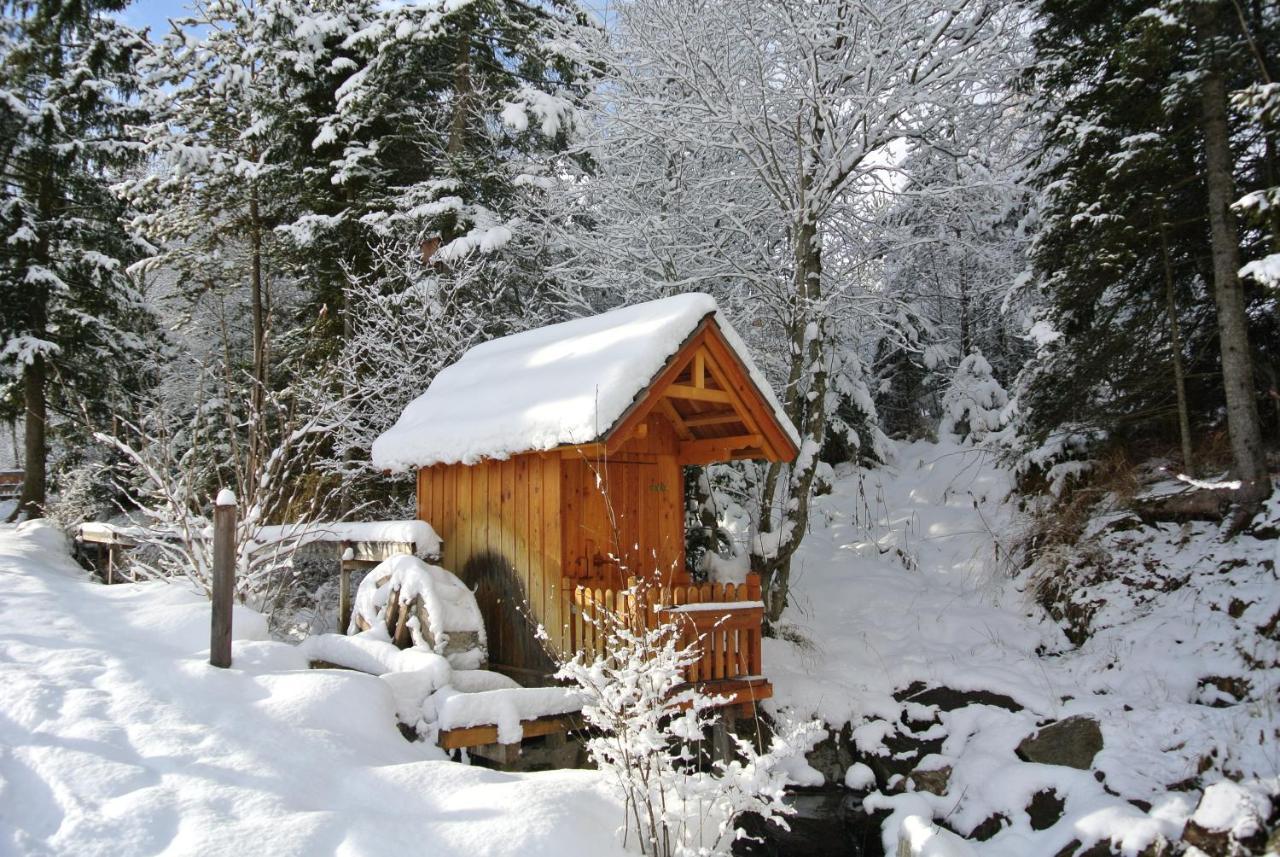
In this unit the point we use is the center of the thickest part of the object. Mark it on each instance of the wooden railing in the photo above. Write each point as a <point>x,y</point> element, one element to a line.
<point>10,483</point>
<point>722,619</point>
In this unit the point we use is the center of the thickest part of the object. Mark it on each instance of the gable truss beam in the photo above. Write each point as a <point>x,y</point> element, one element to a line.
<point>713,419</point>
<point>717,448</point>
<point>683,391</point>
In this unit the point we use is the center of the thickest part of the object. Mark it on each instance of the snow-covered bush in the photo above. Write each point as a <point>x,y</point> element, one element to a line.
<point>973,405</point>
<point>79,497</point>
<point>172,465</point>
<point>650,745</point>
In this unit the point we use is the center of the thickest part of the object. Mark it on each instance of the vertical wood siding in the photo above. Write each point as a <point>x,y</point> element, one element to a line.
<point>541,517</point>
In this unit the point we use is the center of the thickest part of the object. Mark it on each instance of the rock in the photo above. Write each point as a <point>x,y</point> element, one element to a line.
<point>947,699</point>
<point>1228,821</point>
<point>1072,742</point>
<point>1045,809</point>
<point>833,755</point>
<point>1159,848</point>
<point>1073,848</point>
<point>989,827</point>
<point>1221,691</point>
<point>934,782</point>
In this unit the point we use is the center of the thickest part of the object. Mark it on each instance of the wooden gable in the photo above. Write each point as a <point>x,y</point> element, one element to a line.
<point>717,411</point>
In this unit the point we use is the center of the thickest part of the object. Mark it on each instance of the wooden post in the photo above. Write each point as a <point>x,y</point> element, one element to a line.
<point>224,577</point>
<point>344,589</point>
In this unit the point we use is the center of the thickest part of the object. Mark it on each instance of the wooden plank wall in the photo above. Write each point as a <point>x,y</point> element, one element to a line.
<point>627,510</point>
<point>509,510</point>
<point>544,516</point>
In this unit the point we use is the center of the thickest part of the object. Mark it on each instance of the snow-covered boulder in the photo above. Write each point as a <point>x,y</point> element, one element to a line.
<point>1072,742</point>
<point>440,613</point>
<point>1230,819</point>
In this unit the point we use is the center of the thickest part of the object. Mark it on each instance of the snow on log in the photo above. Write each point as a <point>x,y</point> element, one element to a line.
<point>504,708</point>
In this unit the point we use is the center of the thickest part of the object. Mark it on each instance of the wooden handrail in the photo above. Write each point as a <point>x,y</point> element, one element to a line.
<point>723,620</point>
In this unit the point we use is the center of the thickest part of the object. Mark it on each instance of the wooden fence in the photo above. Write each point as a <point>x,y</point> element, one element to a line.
<point>723,620</point>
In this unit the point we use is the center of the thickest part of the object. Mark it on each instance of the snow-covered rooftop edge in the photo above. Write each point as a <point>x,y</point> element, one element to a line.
<point>563,384</point>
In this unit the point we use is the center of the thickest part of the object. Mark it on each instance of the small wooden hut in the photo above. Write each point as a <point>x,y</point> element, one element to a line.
<point>551,464</point>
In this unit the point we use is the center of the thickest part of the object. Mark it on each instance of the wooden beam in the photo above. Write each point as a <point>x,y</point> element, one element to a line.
<point>695,450</point>
<point>581,450</point>
<point>677,421</point>
<point>680,391</point>
<point>648,399</point>
<point>739,403</point>
<point>700,369</point>
<point>475,736</point>
<point>780,443</point>
<point>737,691</point>
<point>713,419</point>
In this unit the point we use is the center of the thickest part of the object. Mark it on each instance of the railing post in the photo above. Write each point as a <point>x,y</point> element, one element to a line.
<point>224,578</point>
<point>344,589</point>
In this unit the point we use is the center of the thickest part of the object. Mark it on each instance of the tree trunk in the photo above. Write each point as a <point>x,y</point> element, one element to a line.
<point>1175,347</point>
<point>806,407</point>
<point>35,443</point>
<point>1248,456</point>
<point>257,396</point>
<point>461,88</point>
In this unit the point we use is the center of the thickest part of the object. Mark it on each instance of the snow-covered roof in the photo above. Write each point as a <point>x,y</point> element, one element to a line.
<point>564,384</point>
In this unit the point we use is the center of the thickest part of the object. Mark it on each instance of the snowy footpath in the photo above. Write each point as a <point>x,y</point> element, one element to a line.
<point>912,631</point>
<point>117,738</point>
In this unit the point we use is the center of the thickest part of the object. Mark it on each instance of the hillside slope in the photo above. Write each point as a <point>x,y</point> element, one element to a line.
<point>920,642</point>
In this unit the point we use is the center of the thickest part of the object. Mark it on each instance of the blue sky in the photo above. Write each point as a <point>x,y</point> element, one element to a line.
<point>156,13</point>
<point>153,13</point>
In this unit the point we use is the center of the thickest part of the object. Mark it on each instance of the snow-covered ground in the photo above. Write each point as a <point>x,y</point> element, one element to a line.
<point>906,579</point>
<point>118,738</point>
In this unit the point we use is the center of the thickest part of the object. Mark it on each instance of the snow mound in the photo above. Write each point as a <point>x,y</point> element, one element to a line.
<point>117,737</point>
<point>566,383</point>
<point>430,695</point>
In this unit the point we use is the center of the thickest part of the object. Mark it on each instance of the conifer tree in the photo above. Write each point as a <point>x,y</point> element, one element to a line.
<point>69,315</point>
<point>1138,180</point>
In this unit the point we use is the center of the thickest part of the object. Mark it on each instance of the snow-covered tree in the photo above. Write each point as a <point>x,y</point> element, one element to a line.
<point>226,88</point>
<point>451,121</point>
<point>974,403</point>
<point>746,148</point>
<point>1145,151</point>
<point>71,320</point>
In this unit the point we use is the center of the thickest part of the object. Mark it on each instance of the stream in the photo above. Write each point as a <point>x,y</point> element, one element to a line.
<point>828,822</point>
